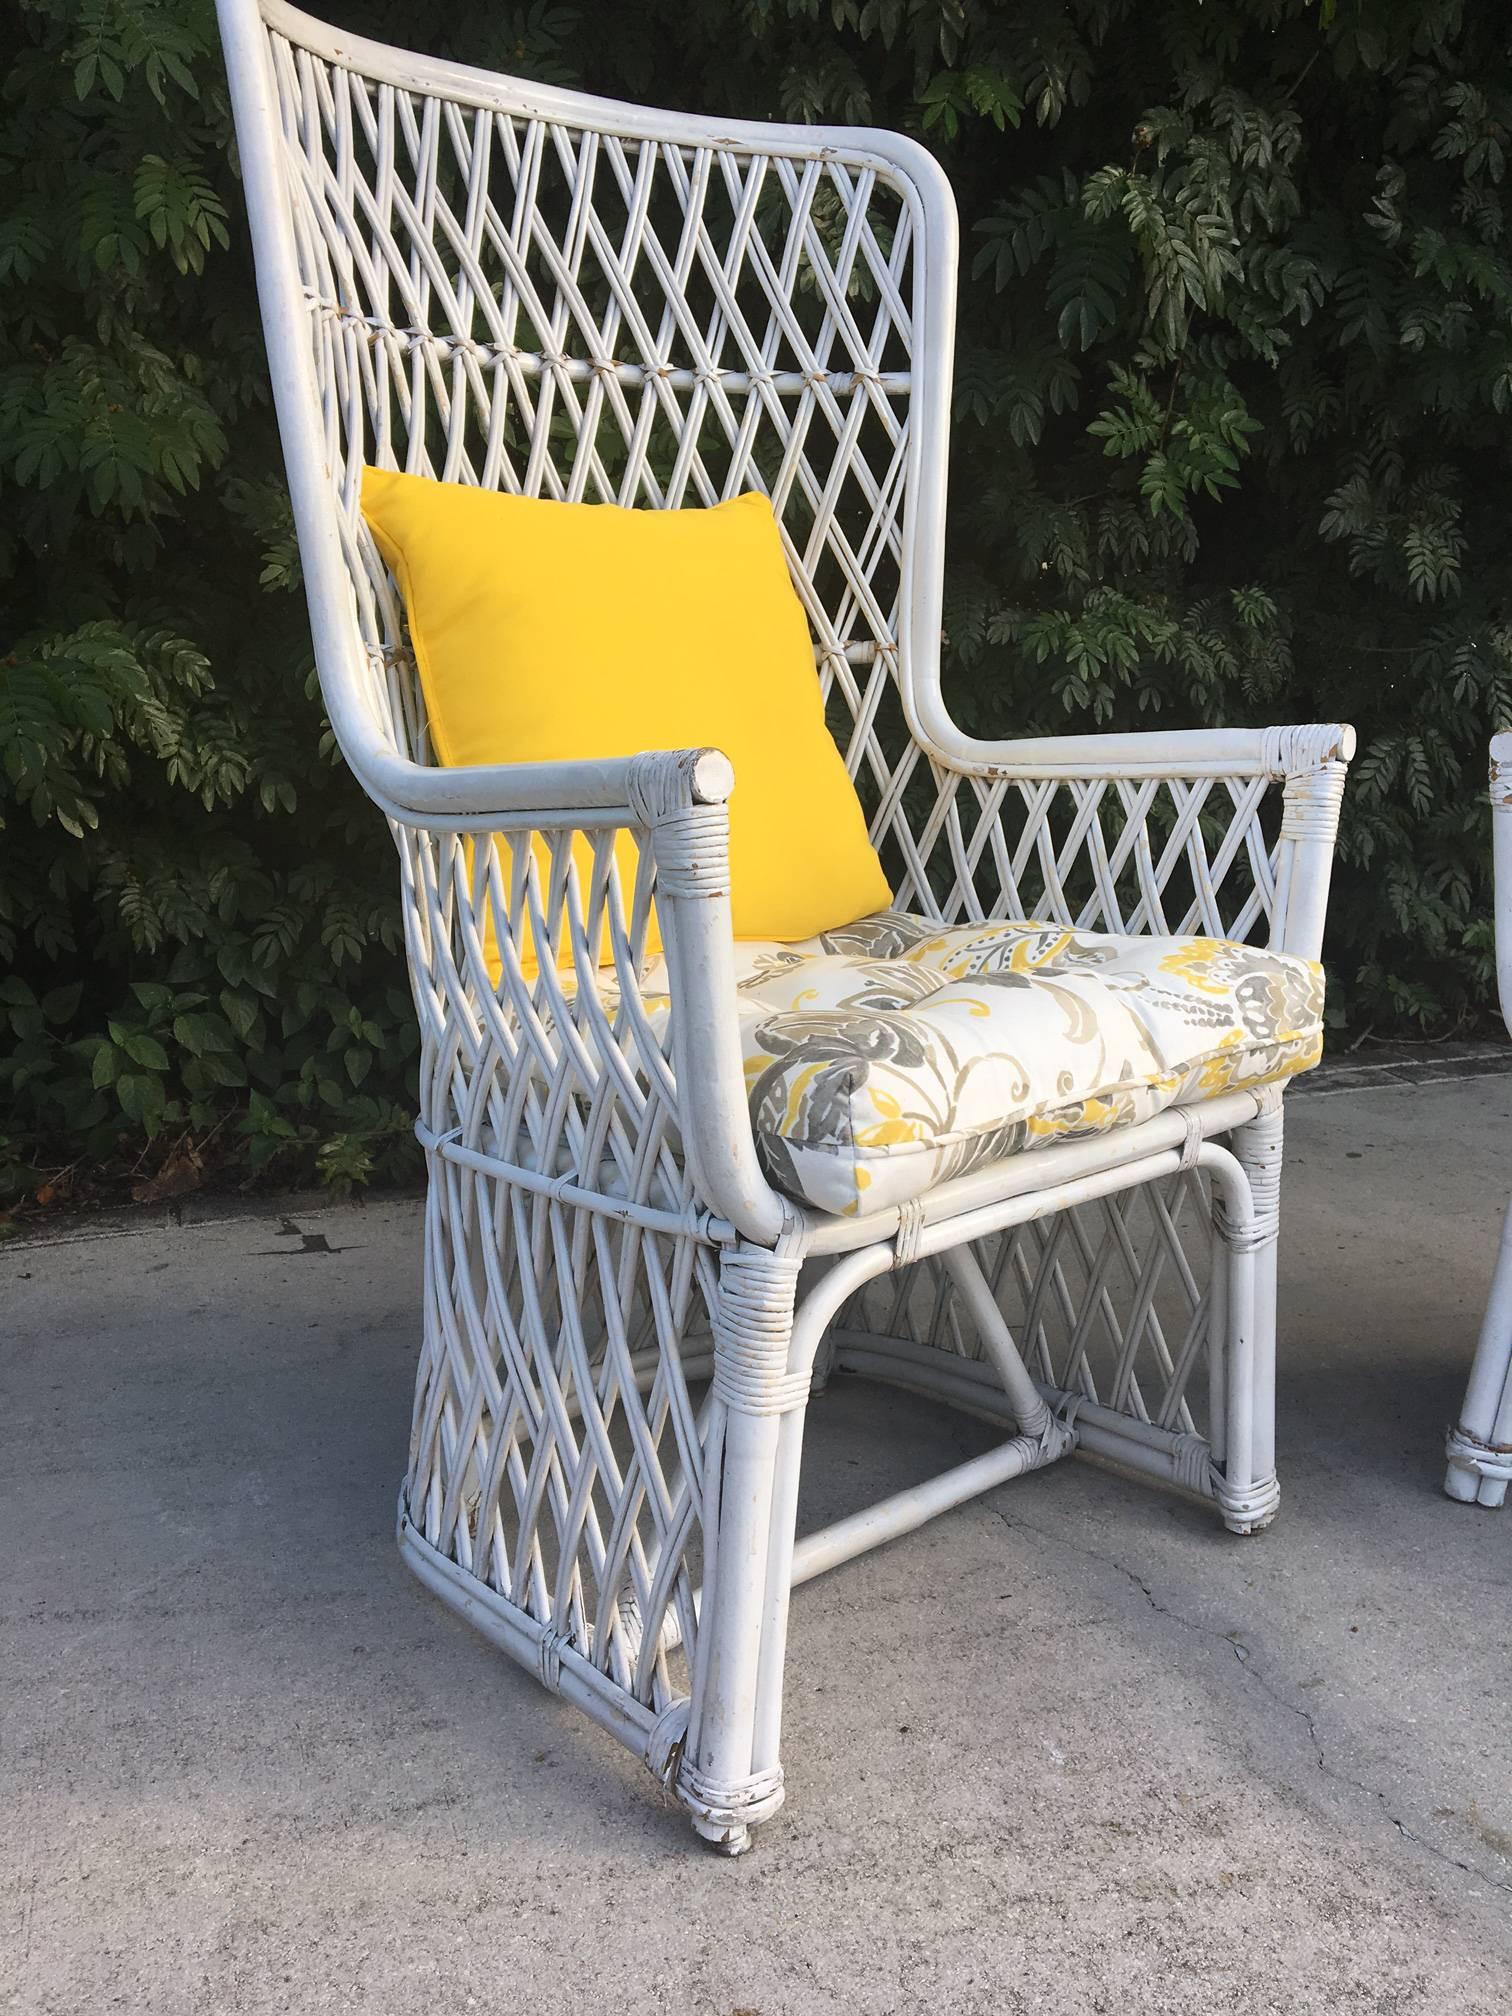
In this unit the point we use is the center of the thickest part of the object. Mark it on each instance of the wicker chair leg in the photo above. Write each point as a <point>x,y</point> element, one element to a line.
<point>726,1786</point>
<point>1248,1493</point>
<point>1480,1447</point>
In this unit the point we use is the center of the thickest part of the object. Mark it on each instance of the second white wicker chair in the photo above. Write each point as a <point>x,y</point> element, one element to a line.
<point>1480,1444</point>
<point>624,1312</point>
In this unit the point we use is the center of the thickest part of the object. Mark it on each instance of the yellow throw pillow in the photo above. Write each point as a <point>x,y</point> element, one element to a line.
<point>546,632</point>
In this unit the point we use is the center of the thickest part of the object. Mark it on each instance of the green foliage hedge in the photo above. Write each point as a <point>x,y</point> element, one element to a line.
<point>1231,444</point>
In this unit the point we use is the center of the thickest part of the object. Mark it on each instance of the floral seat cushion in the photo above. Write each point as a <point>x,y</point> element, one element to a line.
<point>887,1056</point>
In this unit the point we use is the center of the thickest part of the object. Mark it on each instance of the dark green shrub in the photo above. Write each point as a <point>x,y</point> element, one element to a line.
<point>1231,444</point>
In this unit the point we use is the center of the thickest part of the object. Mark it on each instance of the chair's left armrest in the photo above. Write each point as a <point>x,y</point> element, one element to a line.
<point>1159,752</point>
<point>1307,760</point>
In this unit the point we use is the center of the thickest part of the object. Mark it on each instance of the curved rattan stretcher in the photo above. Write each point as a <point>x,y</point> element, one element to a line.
<point>498,283</point>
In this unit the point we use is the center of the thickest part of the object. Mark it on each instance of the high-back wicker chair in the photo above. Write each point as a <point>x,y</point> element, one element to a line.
<point>497,283</point>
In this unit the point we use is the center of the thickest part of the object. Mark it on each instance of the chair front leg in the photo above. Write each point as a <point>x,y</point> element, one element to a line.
<point>722,1781</point>
<point>1480,1448</point>
<point>1247,1223</point>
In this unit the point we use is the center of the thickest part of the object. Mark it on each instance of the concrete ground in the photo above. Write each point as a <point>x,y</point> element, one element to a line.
<point>1068,1749</point>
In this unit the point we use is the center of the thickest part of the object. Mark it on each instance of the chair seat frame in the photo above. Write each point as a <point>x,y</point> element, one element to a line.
<point>646,1252</point>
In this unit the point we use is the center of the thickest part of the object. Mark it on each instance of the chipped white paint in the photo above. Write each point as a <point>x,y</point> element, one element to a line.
<point>498,283</point>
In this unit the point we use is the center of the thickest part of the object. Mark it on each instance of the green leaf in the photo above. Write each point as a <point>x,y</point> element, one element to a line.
<point>154,997</point>
<point>60,1004</point>
<point>142,1099</point>
<point>146,1050</point>
<point>199,1033</point>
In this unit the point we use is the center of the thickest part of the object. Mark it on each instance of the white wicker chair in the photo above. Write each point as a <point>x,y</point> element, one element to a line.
<point>1480,1447</point>
<point>498,283</point>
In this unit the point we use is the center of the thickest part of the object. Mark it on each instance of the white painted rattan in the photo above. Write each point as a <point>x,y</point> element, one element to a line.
<point>503,284</point>
<point>1479,1446</point>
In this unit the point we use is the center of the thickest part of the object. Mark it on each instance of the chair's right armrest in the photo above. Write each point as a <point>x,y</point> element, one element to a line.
<point>586,792</point>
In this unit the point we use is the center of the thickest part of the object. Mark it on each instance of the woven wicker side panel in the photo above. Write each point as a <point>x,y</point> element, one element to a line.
<point>556,1452</point>
<point>1109,1300</point>
<point>1119,855</point>
<point>536,1462</point>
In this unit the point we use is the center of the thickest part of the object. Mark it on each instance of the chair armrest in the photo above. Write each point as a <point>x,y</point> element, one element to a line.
<point>1159,752</point>
<point>491,1018</point>
<point>591,793</point>
<point>1155,832</point>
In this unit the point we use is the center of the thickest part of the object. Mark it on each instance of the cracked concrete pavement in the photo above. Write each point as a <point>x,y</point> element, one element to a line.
<point>1070,1748</point>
